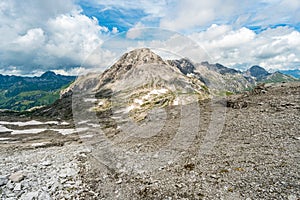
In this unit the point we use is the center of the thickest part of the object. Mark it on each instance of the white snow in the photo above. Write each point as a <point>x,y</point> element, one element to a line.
<point>33,123</point>
<point>3,139</point>
<point>90,100</point>
<point>69,131</point>
<point>28,131</point>
<point>138,101</point>
<point>155,92</point>
<point>83,122</point>
<point>176,102</point>
<point>39,130</point>
<point>130,108</point>
<point>94,125</point>
<point>190,75</point>
<point>86,136</point>
<point>39,144</point>
<point>4,129</point>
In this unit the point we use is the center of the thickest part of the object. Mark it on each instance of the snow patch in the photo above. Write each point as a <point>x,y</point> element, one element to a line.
<point>4,129</point>
<point>3,139</point>
<point>86,136</point>
<point>138,101</point>
<point>33,123</point>
<point>155,92</point>
<point>90,100</point>
<point>38,144</point>
<point>176,102</point>
<point>28,131</point>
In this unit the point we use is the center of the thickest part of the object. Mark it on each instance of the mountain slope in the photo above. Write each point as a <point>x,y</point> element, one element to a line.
<point>216,76</point>
<point>278,77</point>
<point>141,81</point>
<point>295,72</point>
<point>22,93</point>
<point>138,82</point>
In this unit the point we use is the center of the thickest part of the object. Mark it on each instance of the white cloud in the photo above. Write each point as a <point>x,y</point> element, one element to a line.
<point>189,14</point>
<point>276,48</point>
<point>38,35</point>
<point>33,39</point>
<point>136,31</point>
<point>73,36</point>
<point>115,30</point>
<point>54,34</point>
<point>77,71</point>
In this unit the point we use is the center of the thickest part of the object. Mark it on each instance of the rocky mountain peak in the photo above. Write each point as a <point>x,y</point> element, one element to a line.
<point>139,57</point>
<point>257,71</point>
<point>131,59</point>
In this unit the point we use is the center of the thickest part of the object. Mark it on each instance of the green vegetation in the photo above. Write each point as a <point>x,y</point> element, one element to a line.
<point>27,100</point>
<point>22,93</point>
<point>278,77</point>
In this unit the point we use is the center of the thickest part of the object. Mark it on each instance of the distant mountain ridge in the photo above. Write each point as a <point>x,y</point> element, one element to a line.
<point>21,93</point>
<point>293,72</point>
<point>134,68</point>
<point>142,67</point>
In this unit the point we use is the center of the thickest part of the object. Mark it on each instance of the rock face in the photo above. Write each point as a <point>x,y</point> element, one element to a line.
<point>3,180</point>
<point>220,68</point>
<point>218,78</point>
<point>17,176</point>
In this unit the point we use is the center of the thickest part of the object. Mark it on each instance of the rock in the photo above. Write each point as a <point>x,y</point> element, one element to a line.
<point>46,163</point>
<point>45,196</point>
<point>68,172</point>
<point>18,187</point>
<point>30,196</point>
<point>10,185</point>
<point>17,176</point>
<point>3,180</point>
<point>119,181</point>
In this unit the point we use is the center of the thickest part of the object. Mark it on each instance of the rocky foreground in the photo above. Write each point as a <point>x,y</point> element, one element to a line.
<point>247,147</point>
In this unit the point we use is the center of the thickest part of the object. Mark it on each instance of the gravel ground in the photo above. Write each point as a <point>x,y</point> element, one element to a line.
<point>256,155</point>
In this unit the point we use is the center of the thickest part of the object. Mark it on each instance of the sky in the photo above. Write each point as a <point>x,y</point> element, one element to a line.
<point>74,37</point>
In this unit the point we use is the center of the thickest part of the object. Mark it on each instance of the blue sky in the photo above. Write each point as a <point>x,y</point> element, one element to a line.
<point>71,36</point>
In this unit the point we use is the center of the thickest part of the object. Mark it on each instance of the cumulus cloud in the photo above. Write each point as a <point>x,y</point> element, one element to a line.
<point>274,48</point>
<point>57,35</point>
<point>195,15</point>
<point>38,36</point>
<point>33,39</point>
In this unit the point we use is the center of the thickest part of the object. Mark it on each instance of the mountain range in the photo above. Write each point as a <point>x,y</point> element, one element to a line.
<point>22,93</point>
<point>147,79</point>
<point>141,80</point>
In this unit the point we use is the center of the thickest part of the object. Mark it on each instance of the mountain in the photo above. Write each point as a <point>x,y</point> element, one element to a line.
<point>257,72</point>
<point>263,76</point>
<point>295,72</point>
<point>218,78</point>
<point>139,81</point>
<point>22,93</point>
<point>220,68</point>
<point>278,77</point>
